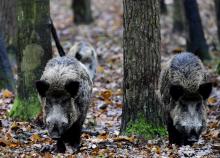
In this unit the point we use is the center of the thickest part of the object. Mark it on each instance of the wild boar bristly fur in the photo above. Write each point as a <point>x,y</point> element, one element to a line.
<point>86,54</point>
<point>65,90</point>
<point>184,89</point>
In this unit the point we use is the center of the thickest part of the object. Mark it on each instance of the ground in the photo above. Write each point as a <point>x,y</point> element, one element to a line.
<point>23,139</point>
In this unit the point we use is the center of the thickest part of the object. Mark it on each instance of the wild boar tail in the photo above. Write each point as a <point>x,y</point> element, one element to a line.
<point>56,39</point>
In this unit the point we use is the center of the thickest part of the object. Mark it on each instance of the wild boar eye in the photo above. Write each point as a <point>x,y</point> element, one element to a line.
<point>65,100</point>
<point>184,107</point>
<point>198,106</point>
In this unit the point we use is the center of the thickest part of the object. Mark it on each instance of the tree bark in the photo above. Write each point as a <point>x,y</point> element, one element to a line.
<point>178,16</point>
<point>8,19</point>
<point>82,11</point>
<point>6,76</point>
<point>217,10</point>
<point>8,28</point>
<point>196,42</point>
<point>141,43</point>
<point>34,50</point>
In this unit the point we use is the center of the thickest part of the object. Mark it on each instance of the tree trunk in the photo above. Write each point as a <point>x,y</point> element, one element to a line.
<point>34,50</point>
<point>141,65</point>
<point>82,11</point>
<point>8,28</point>
<point>8,19</point>
<point>163,7</point>
<point>196,42</point>
<point>6,76</point>
<point>178,16</point>
<point>217,10</point>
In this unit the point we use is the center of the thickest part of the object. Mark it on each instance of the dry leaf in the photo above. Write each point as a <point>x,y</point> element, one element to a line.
<point>7,94</point>
<point>14,126</point>
<point>106,94</point>
<point>212,100</point>
<point>100,69</point>
<point>35,138</point>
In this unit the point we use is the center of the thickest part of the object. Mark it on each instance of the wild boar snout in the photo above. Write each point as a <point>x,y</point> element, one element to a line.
<point>56,128</point>
<point>56,122</point>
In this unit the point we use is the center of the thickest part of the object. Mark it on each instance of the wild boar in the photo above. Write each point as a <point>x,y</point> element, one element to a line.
<point>65,90</point>
<point>86,54</point>
<point>184,89</point>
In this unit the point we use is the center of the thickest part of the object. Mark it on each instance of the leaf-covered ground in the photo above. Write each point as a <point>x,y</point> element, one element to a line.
<point>102,139</point>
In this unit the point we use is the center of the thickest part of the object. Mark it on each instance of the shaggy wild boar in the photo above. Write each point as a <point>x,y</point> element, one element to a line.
<point>85,53</point>
<point>184,89</point>
<point>65,89</point>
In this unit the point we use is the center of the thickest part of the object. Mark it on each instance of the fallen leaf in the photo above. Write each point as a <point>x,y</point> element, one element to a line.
<point>106,94</point>
<point>7,94</point>
<point>100,69</point>
<point>35,138</point>
<point>212,100</point>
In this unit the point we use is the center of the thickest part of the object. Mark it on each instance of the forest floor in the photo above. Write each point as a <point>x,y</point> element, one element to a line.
<point>23,139</point>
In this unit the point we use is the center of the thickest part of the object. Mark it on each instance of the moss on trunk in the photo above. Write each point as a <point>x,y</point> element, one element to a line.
<point>144,128</point>
<point>34,50</point>
<point>25,109</point>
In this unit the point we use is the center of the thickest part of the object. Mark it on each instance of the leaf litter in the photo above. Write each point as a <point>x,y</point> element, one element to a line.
<point>101,134</point>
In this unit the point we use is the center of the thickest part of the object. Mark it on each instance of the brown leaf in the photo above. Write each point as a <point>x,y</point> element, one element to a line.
<point>124,138</point>
<point>103,136</point>
<point>7,94</point>
<point>212,100</point>
<point>35,138</point>
<point>13,145</point>
<point>178,50</point>
<point>14,126</point>
<point>3,142</point>
<point>107,96</point>
<point>48,155</point>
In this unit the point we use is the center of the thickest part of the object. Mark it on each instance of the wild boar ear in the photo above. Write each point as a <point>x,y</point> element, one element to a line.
<point>205,90</point>
<point>72,87</point>
<point>42,87</point>
<point>176,91</point>
<point>78,56</point>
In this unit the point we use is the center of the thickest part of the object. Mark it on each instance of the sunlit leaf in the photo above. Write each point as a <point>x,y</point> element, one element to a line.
<point>100,69</point>
<point>35,138</point>
<point>212,100</point>
<point>7,94</point>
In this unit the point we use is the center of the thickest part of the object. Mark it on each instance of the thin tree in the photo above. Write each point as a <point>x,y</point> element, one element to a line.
<point>196,41</point>
<point>141,43</point>
<point>6,76</point>
<point>34,50</point>
<point>82,11</point>
<point>8,20</point>
<point>8,34</point>
<point>178,16</point>
<point>217,11</point>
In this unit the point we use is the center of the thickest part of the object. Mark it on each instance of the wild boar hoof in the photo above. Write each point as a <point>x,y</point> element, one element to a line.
<point>72,148</point>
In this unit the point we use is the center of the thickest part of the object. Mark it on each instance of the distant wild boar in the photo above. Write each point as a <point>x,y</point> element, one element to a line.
<point>65,90</point>
<point>184,88</point>
<point>86,54</point>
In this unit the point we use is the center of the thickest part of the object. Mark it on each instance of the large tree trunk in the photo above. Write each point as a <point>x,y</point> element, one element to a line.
<point>178,16</point>
<point>34,50</point>
<point>82,11</point>
<point>196,41</point>
<point>6,76</point>
<point>141,64</point>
